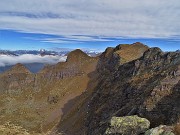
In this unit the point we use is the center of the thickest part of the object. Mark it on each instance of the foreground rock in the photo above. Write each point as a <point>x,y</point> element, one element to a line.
<point>128,125</point>
<point>161,130</point>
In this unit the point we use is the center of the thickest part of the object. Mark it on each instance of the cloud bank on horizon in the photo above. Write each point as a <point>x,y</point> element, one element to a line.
<point>94,20</point>
<point>7,60</point>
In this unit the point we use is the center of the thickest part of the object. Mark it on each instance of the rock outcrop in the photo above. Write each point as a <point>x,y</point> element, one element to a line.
<point>129,125</point>
<point>161,130</point>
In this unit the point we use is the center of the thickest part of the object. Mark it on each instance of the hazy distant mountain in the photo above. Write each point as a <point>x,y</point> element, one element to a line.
<point>33,67</point>
<point>4,68</point>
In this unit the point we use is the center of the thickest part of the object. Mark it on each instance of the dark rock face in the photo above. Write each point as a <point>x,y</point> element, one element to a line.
<point>148,87</point>
<point>53,99</point>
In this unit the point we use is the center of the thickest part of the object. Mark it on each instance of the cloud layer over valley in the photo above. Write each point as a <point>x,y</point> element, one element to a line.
<point>7,60</point>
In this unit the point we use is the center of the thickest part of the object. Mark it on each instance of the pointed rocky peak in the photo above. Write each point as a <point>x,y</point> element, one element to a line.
<point>136,45</point>
<point>76,55</point>
<point>18,68</point>
<point>139,44</point>
<point>108,51</point>
<point>152,52</point>
<point>129,52</point>
<point>112,58</point>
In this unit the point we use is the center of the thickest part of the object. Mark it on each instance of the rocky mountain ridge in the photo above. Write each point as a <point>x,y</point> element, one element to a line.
<point>39,98</point>
<point>147,87</point>
<point>81,95</point>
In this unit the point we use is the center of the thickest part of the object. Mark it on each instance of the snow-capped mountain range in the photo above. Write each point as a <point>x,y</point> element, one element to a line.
<point>43,52</point>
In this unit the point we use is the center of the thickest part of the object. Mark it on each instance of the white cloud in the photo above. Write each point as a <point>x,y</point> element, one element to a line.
<point>6,60</point>
<point>101,18</point>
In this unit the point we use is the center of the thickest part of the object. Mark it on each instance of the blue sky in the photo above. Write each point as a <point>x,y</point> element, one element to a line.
<point>91,24</point>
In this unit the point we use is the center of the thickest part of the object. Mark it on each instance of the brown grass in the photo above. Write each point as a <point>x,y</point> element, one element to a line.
<point>131,52</point>
<point>177,129</point>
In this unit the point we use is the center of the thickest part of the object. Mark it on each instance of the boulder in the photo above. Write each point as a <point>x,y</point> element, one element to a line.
<point>128,125</point>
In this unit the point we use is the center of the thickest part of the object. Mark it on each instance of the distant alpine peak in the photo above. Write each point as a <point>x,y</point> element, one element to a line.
<point>42,50</point>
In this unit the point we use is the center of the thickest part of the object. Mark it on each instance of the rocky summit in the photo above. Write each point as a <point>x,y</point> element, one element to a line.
<point>129,90</point>
<point>147,86</point>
